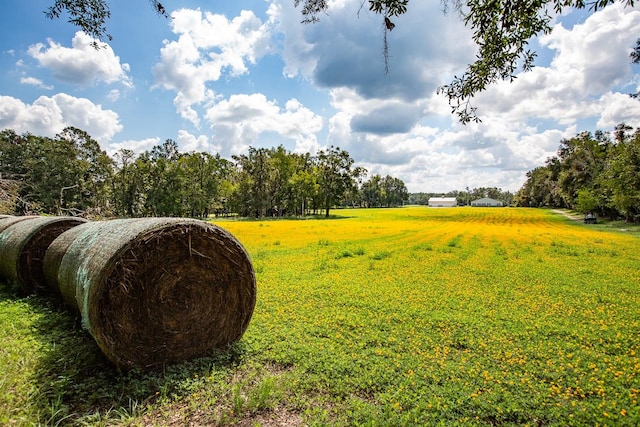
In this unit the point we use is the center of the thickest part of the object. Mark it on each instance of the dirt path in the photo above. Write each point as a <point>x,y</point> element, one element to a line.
<point>568,215</point>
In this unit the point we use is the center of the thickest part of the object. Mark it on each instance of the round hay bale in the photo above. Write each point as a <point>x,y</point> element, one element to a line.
<point>52,260</point>
<point>23,245</point>
<point>155,291</point>
<point>10,220</point>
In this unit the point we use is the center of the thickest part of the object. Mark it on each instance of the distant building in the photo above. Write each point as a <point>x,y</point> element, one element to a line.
<point>443,202</point>
<point>486,202</point>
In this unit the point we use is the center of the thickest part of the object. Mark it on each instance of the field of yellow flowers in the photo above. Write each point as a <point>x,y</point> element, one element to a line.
<point>401,317</point>
<point>415,316</point>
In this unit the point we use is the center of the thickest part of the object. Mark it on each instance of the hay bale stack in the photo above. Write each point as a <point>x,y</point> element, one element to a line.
<point>23,244</point>
<point>154,291</point>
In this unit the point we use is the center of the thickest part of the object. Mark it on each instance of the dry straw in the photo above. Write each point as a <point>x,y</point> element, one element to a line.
<point>23,244</point>
<point>154,291</point>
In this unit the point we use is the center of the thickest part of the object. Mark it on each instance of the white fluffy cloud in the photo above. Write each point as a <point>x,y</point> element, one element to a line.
<point>48,116</point>
<point>200,143</point>
<point>32,81</point>
<point>137,146</point>
<point>82,63</point>
<point>591,60</point>
<point>397,123</point>
<point>208,45</point>
<point>238,122</point>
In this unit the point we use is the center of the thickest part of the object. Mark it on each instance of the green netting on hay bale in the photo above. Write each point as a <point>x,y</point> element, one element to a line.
<point>155,291</point>
<point>10,220</point>
<point>4,224</point>
<point>52,260</point>
<point>23,245</point>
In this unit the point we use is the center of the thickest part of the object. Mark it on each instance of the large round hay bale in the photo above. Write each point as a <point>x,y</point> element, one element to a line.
<point>10,220</point>
<point>23,245</point>
<point>52,260</point>
<point>154,291</point>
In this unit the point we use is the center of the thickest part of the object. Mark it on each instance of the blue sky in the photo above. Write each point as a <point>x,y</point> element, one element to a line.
<point>221,76</point>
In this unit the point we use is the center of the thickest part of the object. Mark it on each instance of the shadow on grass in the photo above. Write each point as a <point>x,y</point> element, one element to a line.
<point>72,381</point>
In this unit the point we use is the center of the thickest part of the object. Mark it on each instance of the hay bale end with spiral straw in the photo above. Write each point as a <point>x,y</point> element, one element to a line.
<point>154,291</point>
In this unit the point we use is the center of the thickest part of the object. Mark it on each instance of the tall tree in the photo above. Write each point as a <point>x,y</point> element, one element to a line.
<point>13,151</point>
<point>282,165</point>
<point>623,177</point>
<point>127,191</point>
<point>204,177</point>
<point>372,192</point>
<point>166,180</point>
<point>303,184</point>
<point>252,191</point>
<point>94,166</point>
<point>335,176</point>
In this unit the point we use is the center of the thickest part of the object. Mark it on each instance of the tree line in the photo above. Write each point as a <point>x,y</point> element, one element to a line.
<point>69,174</point>
<point>598,173</point>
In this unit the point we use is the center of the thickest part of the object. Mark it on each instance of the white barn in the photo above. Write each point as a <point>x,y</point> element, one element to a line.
<point>442,202</point>
<point>487,202</point>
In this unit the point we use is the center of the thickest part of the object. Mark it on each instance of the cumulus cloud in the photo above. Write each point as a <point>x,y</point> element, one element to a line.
<point>32,81</point>
<point>397,122</point>
<point>390,118</point>
<point>113,95</point>
<point>344,49</point>
<point>48,116</point>
<point>137,146</point>
<point>81,63</point>
<point>591,60</point>
<point>207,46</point>
<point>240,120</point>
<point>199,143</point>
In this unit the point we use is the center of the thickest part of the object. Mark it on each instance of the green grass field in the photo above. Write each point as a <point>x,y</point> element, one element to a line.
<point>409,316</point>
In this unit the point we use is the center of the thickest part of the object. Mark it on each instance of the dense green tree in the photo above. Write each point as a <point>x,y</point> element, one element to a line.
<point>582,159</point>
<point>623,177</point>
<point>540,189</point>
<point>13,151</point>
<point>303,185</point>
<point>166,181</point>
<point>68,174</point>
<point>587,200</point>
<point>95,169</point>
<point>591,173</point>
<point>372,192</point>
<point>283,165</point>
<point>383,192</point>
<point>251,197</point>
<point>335,176</point>
<point>205,175</point>
<point>128,188</point>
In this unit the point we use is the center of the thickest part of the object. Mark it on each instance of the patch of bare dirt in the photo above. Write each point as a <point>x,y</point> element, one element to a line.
<point>568,215</point>
<point>279,417</point>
